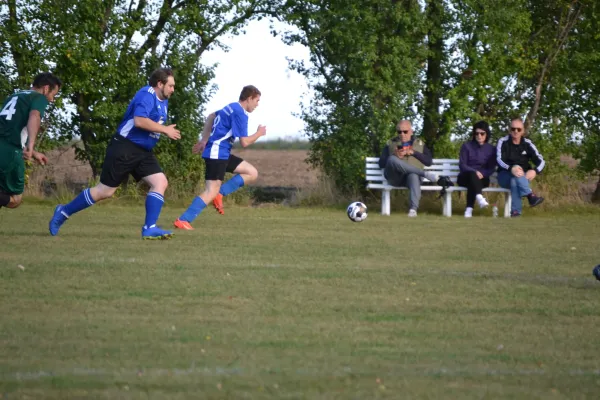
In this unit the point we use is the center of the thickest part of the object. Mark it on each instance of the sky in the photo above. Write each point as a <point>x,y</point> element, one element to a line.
<point>257,58</point>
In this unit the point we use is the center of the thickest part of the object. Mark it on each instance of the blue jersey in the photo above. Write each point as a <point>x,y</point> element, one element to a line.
<point>145,104</point>
<point>230,122</point>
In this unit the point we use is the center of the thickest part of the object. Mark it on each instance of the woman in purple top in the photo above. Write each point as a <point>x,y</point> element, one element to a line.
<point>477,162</point>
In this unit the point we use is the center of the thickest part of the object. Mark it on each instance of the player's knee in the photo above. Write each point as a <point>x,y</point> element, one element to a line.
<point>15,201</point>
<point>101,192</point>
<point>251,176</point>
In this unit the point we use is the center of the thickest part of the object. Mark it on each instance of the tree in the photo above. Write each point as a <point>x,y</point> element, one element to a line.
<point>366,57</point>
<point>454,61</point>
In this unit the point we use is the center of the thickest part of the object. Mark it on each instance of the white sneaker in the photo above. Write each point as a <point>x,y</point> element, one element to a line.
<point>412,213</point>
<point>468,212</point>
<point>481,201</point>
<point>431,176</point>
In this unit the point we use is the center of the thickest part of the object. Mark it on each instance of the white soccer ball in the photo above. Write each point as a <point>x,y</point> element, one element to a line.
<point>357,211</point>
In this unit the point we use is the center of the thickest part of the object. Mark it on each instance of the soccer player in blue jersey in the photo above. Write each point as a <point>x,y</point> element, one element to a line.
<point>130,152</point>
<point>220,130</point>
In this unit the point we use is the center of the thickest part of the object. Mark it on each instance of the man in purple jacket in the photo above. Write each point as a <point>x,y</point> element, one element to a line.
<point>477,163</point>
<point>403,159</point>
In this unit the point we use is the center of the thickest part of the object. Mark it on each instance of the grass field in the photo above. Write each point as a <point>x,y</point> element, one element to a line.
<point>282,303</point>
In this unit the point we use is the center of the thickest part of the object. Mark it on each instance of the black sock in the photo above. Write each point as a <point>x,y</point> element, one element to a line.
<point>4,199</point>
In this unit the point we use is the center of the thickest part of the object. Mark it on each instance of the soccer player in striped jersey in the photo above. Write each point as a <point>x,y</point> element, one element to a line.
<point>20,119</point>
<point>130,152</point>
<point>220,131</point>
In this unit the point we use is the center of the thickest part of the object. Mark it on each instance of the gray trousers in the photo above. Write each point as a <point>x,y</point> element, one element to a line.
<point>400,173</point>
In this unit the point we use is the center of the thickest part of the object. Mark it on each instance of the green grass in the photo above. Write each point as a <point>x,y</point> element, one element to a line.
<point>275,302</point>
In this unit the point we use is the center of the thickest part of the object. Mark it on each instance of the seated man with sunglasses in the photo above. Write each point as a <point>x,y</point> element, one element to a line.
<point>403,159</point>
<point>514,155</point>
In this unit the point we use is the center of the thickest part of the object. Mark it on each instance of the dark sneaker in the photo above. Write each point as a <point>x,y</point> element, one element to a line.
<point>514,214</point>
<point>534,200</point>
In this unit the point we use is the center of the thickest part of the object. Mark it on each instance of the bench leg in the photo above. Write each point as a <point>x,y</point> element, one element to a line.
<point>507,205</point>
<point>385,202</point>
<point>447,205</point>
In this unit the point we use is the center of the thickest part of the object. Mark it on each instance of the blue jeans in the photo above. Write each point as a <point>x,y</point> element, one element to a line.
<point>519,187</point>
<point>400,173</point>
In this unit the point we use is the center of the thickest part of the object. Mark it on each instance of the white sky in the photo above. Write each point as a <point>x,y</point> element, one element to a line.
<point>257,58</point>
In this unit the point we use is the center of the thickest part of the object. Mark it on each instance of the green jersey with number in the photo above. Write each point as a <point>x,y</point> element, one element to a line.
<point>15,115</point>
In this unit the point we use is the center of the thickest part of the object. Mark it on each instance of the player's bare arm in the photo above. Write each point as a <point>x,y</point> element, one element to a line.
<point>208,124</point>
<point>148,125</point>
<point>247,141</point>
<point>33,126</point>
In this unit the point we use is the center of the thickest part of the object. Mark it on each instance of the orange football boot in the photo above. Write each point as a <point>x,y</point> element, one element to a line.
<point>218,203</point>
<point>183,225</point>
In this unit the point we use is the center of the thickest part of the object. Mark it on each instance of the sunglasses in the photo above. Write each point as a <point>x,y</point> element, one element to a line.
<point>480,133</point>
<point>402,132</point>
<point>513,129</point>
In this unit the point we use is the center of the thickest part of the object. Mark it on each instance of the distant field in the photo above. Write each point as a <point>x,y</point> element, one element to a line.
<point>285,168</point>
<point>277,302</point>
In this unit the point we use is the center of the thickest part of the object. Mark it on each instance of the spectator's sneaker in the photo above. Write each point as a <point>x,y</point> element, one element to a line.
<point>412,213</point>
<point>57,220</point>
<point>514,214</point>
<point>481,201</point>
<point>155,233</point>
<point>468,212</point>
<point>431,176</point>
<point>534,200</point>
<point>218,203</point>
<point>185,225</point>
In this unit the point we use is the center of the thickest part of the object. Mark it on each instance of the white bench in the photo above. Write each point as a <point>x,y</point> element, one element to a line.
<point>441,166</point>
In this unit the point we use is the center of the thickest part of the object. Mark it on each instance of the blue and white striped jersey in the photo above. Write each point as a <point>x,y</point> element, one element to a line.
<point>145,104</point>
<point>230,122</point>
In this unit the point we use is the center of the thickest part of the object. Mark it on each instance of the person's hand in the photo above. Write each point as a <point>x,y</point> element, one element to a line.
<point>172,133</point>
<point>27,153</point>
<point>199,147</point>
<point>479,174</point>
<point>40,158</point>
<point>262,130</point>
<point>531,174</point>
<point>400,152</point>
<point>409,151</point>
<point>517,171</point>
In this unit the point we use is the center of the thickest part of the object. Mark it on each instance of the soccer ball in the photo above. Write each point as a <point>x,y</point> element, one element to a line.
<point>357,212</point>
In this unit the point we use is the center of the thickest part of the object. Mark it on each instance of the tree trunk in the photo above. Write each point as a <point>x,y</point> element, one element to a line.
<point>596,194</point>
<point>433,84</point>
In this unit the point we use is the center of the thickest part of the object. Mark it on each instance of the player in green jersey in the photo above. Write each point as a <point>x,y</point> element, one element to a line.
<point>20,118</point>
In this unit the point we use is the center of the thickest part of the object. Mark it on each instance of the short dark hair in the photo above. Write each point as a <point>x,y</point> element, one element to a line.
<point>46,79</point>
<point>160,75</point>
<point>484,126</point>
<point>248,92</point>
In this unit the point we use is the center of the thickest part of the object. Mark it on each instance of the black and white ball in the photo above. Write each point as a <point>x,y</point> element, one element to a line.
<point>357,211</point>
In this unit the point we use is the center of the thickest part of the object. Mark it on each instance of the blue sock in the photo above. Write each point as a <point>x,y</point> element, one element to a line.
<point>154,203</point>
<point>81,202</point>
<point>232,185</point>
<point>193,210</point>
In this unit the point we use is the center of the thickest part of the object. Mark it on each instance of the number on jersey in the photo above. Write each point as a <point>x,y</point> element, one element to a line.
<point>10,108</point>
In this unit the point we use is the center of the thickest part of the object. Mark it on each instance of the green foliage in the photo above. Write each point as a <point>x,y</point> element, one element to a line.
<point>366,57</point>
<point>454,62</point>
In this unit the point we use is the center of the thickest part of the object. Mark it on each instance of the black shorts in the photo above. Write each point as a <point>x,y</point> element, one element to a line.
<point>123,157</point>
<point>215,169</point>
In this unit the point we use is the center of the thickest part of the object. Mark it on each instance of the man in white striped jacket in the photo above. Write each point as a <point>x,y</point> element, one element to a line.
<point>515,155</point>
